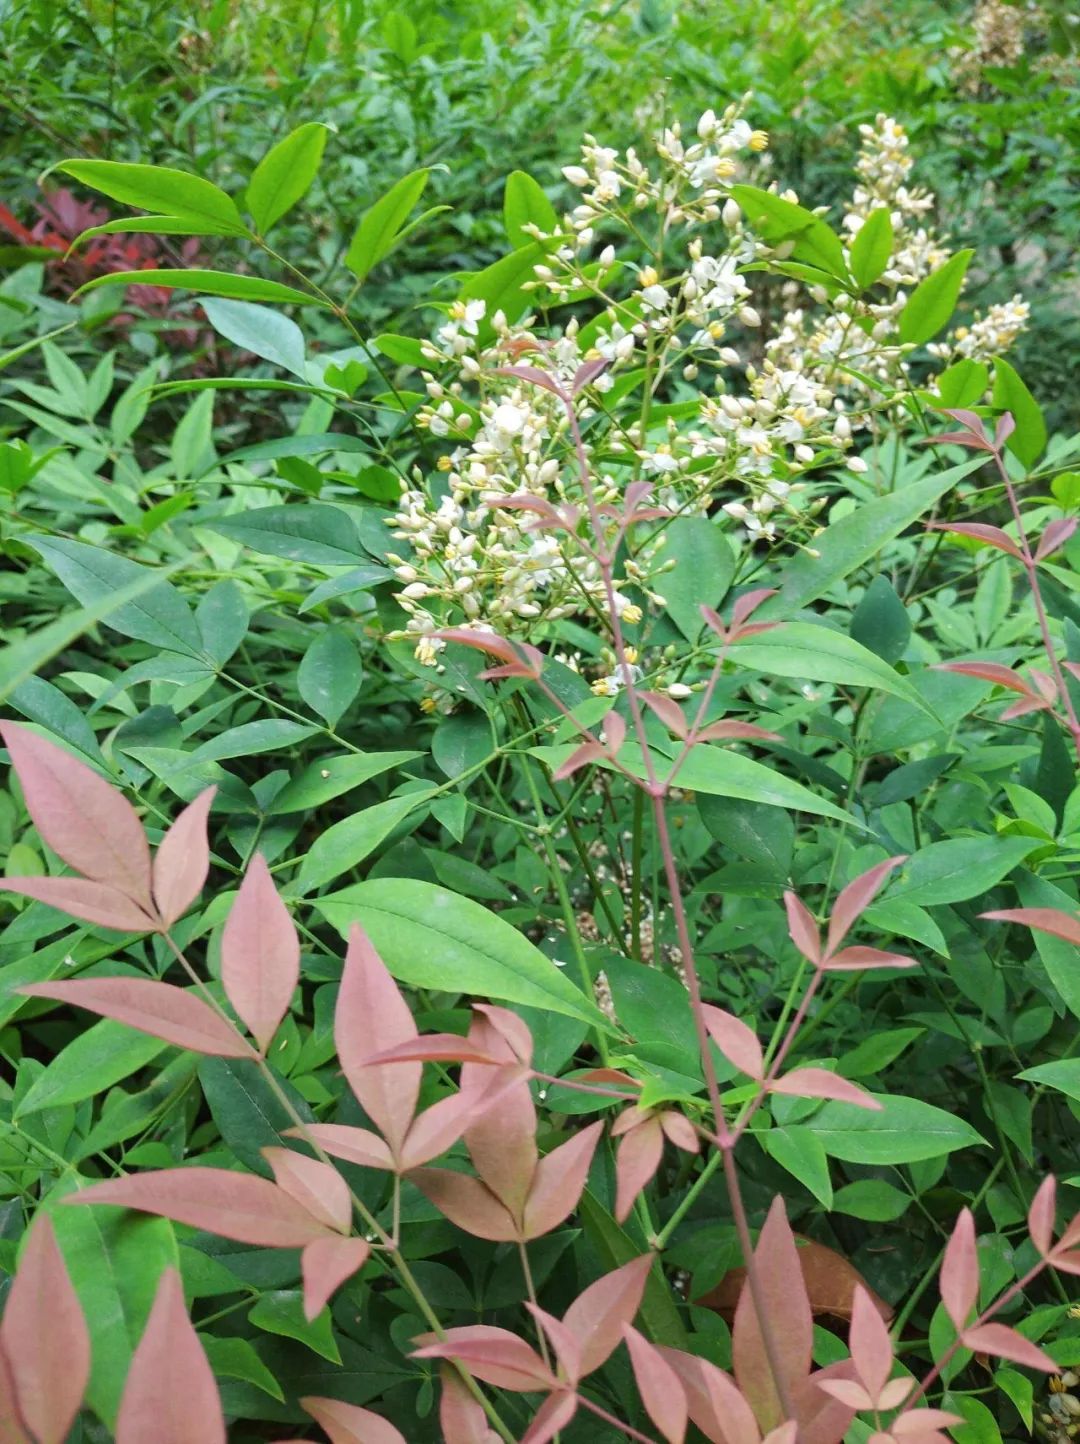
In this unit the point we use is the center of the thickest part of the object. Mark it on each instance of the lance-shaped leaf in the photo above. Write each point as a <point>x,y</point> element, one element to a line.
<point>1056,535</point>
<point>522,656</point>
<point>1006,1343</point>
<point>851,959</point>
<point>325,1264</point>
<point>44,1339</point>
<point>659,1385</point>
<point>316,1186</point>
<point>855,899</point>
<point>987,672</point>
<point>260,954</point>
<point>668,710</point>
<point>715,1405</point>
<point>802,928</point>
<point>461,1417</point>
<point>170,1395</point>
<point>820,1083</point>
<point>84,819</point>
<point>502,1145</point>
<point>234,1205</point>
<point>92,902</point>
<point>1043,920</point>
<point>640,1151</point>
<point>558,1182</point>
<point>788,1315</point>
<point>341,1140</point>
<point>349,1424</point>
<point>468,1203</point>
<point>371,1016</point>
<point>554,1413</point>
<point>738,1042</point>
<point>440,1126</point>
<point>182,860</point>
<point>871,1347</point>
<point>959,1281</point>
<point>992,536</point>
<point>597,1315</point>
<point>494,1355</point>
<point>564,1345</point>
<point>160,1009</point>
<point>1042,1214</point>
<point>12,1424</point>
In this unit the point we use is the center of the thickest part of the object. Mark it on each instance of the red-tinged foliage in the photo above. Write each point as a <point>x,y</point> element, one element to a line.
<point>558,1182</point>
<point>12,1425</point>
<point>1042,1215</point>
<point>640,1150</point>
<point>854,899</point>
<point>84,819</point>
<point>371,1016</point>
<point>1006,1343</point>
<point>349,1424</point>
<point>738,1042</point>
<point>714,1403</point>
<point>784,1298</point>
<point>820,1083</point>
<point>461,1418</point>
<point>668,711</point>
<point>91,902</point>
<point>234,1205</point>
<point>582,756</point>
<point>494,1355</point>
<point>44,1340</point>
<point>468,1203</point>
<point>170,1395</point>
<point>1043,920</point>
<point>992,536</point>
<point>554,1413</point>
<point>597,1315</point>
<point>1055,536</point>
<point>325,1264</point>
<point>341,1140</point>
<point>178,1015</point>
<point>260,954</point>
<point>527,660</point>
<point>802,929</point>
<point>563,1343</point>
<point>659,1385</point>
<point>315,1186</point>
<point>182,860</point>
<point>959,1279</point>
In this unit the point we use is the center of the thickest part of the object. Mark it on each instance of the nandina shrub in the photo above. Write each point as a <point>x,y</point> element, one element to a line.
<point>618,553</point>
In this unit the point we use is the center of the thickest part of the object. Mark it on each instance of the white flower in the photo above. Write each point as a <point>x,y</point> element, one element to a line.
<point>577,175</point>
<point>510,420</point>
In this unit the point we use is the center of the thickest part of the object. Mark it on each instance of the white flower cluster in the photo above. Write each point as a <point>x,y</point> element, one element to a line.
<point>504,534</point>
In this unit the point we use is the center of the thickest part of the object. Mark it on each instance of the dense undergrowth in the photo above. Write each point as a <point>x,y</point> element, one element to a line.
<point>542,690</point>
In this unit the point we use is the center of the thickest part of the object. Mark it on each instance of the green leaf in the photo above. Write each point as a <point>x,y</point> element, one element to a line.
<point>904,1131</point>
<point>237,1359</point>
<point>115,1259</point>
<point>880,622</point>
<point>328,678</point>
<point>800,1152</point>
<point>461,741</point>
<point>350,841</point>
<point>1010,394</point>
<point>159,188</point>
<point>963,383</point>
<point>379,229</point>
<point>285,173</point>
<point>404,350</point>
<point>777,220</point>
<point>1063,1076</point>
<point>431,938</point>
<point>160,616</point>
<point>979,1427</point>
<point>877,1052</point>
<point>269,734</point>
<point>281,1311</point>
<point>267,334</point>
<point>615,1247</point>
<point>871,1199</point>
<point>321,536</point>
<point>1057,956</point>
<point>762,835</point>
<point>329,777</point>
<point>524,203</point>
<point>856,538</point>
<point>704,567</point>
<point>358,579</point>
<point>152,226</point>
<point>247,1110</point>
<point>959,868</point>
<point>209,283</point>
<point>820,654</point>
<point>933,300</point>
<point>91,1063</point>
<point>872,247</point>
<point>499,285</point>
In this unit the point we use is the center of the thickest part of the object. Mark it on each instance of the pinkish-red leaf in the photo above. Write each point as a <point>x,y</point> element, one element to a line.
<point>92,902</point>
<point>987,672</point>
<point>992,536</point>
<point>12,1425</point>
<point>349,1424</point>
<point>502,1142</point>
<point>820,1083</point>
<point>316,1186</point>
<point>535,375</point>
<point>855,899</point>
<point>638,1158</point>
<point>461,1417</point>
<point>164,1011</point>
<point>519,655</point>
<point>732,731</point>
<point>436,1048</point>
<point>597,1315</point>
<point>915,1422</point>
<point>513,1031</point>
<point>1005,427</point>
<point>84,819</point>
<point>714,621</point>
<point>1042,1213</point>
<point>260,954</point>
<point>467,1202</point>
<point>494,1355</point>
<point>182,860</point>
<point>1055,535</point>
<point>341,1140</point>
<point>558,1181</point>
<point>325,1264</point>
<point>580,757</point>
<point>234,1205</point>
<point>371,1016</point>
<point>849,1392</point>
<point>850,959</point>
<point>170,1395</point>
<point>563,1342</point>
<point>959,1280</point>
<point>554,1413</point>
<point>440,1126</point>
<point>1006,1343</point>
<point>784,1297</point>
<point>667,709</point>
<point>658,1384</point>
<point>44,1338</point>
<point>614,734</point>
<point>871,1347</point>
<point>680,1130</point>
<point>748,603</point>
<point>738,1042</point>
<point>715,1404</point>
<point>1043,920</point>
<point>802,928</point>
<point>587,373</point>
